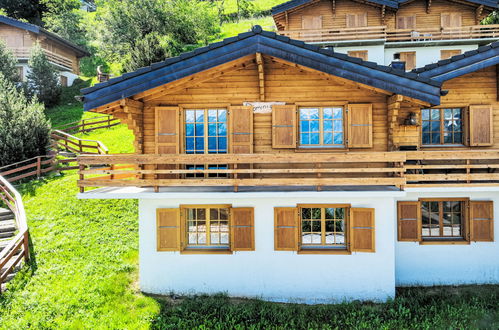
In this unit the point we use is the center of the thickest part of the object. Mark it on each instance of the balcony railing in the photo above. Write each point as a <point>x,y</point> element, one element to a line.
<point>396,169</point>
<point>394,35</point>
<point>25,53</point>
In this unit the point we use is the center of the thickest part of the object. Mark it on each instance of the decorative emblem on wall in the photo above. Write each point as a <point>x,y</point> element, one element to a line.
<point>262,107</point>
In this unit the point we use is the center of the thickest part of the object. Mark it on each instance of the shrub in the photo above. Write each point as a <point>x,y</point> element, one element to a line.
<point>8,63</point>
<point>24,130</point>
<point>43,78</point>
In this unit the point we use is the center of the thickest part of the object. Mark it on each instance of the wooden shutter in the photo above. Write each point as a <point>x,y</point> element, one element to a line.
<point>448,53</point>
<point>359,54</point>
<point>482,221</point>
<point>168,229</point>
<point>283,126</point>
<point>351,20</point>
<point>362,230</point>
<point>445,20</point>
<point>410,60</point>
<point>241,129</point>
<point>410,22</point>
<point>408,221</point>
<point>167,130</point>
<point>481,125</point>
<point>362,20</point>
<point>360,125</point>
<point>311,22</point>
<point>242,233</point>
<point>451,20</point>
<point>286,228</point>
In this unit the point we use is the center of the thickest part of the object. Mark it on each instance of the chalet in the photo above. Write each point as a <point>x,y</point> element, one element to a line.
<point>295,173</point>
<point>413,32</point>
<point>20,37</point>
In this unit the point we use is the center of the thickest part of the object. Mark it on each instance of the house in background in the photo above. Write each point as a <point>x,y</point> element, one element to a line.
<point>269,167</point>
<point>20,37</point>
<point>382,31</point>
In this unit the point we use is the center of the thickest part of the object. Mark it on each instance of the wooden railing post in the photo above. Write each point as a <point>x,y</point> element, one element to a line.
<point>26,246</point>
<point>38,166</point>
<point>82,177</point>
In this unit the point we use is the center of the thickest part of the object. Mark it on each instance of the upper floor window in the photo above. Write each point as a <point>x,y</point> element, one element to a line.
<point>450,20</point>
<point>406,22</point>
<point>356,20</point>
<point>442,126</point>
<point>206,131</point>
<point>311,22</point>
<point>323,227</point>
<point>442,219</point>
<point>322,127</point>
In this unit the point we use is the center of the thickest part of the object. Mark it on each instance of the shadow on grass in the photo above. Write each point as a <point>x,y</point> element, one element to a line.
<point>475,306</point>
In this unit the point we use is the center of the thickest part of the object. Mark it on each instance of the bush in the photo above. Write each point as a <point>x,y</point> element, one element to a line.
<point>43,78</point>
<point>24,130</point>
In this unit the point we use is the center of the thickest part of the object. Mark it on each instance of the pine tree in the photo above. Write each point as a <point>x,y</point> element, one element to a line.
<point>8,63</point>
<point>24,130</point>
<point>43,81</point>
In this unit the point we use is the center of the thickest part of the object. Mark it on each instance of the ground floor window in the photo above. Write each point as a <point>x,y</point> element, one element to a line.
<point>443,219</point>
<point>323,227</point>
<point>207,226</point>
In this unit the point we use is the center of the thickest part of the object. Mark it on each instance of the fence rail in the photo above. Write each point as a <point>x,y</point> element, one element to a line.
<point>394,35</point>
<point>89,124</point>
<point>72,143</point>
<point>18,248</point>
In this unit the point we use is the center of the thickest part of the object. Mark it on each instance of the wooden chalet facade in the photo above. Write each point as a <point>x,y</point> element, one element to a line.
<point>414,32</point>
<point>21,37</point>
<point>269,160</point>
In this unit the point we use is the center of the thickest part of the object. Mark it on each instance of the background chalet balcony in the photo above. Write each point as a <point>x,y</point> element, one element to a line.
<point>386,169</point>
<point>25,53</point>
<point>393,35</point>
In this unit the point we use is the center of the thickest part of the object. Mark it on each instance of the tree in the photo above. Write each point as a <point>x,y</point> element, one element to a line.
<point>28,10</point>
<point>42,79</point>
<point>140,32</point>
<point>24,130</point>
<point>8,64</point>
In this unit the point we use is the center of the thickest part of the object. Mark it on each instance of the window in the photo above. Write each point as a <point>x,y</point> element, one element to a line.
<point>442,219</point>
<point>311,22</point>
<point>207,227</point>
<point>362,54</point>
<point>406,22</point>
<point>64,81</point>
<point>409,58</point>
<point>356,20</point>
<point>442,126</point>
<point>322,127</point>
<point>323,227</point>
<point>448,53</point>
<point>205,133</point>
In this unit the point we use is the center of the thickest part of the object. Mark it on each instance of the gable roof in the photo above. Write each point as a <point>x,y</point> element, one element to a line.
<point>269,43</point>
<point>389,3</point>
<point>39,30</point>
<point>459,65</point>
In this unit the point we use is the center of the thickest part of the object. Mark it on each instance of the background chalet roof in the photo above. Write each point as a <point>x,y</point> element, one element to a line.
<point>389,3</point>
<point>39,30</point>
<point>459,65</point>
<point>268,43</point>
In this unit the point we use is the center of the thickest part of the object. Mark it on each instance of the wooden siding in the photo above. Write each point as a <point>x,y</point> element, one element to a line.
<point>285,83</point>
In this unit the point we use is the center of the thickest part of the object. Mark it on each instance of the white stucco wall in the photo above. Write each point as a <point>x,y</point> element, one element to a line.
<point>265,273</point>
<point>374,53</point>
<point>71,76</point>
<point>476,263</point>
<point>425,54</point>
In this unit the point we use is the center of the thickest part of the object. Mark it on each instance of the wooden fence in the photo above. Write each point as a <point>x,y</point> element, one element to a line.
<point>74,144</point>
<point>89,124</point>
<point>18,248</point>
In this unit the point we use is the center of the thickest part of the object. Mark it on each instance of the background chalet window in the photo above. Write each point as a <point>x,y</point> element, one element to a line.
<point>442,126</point>
<point>442,219</point>
<point>205,133</point>
<point>207,227</point>
<point>322,127</point>
<point>323,227</point>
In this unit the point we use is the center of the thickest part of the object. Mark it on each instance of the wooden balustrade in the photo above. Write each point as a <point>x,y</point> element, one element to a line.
<point>311,169</point>
<point>74,144</point>
<point>394,35</point>
<point>25,53</point>
<point>399,169</point>
<point>18,247</point>
<point>36,166</point>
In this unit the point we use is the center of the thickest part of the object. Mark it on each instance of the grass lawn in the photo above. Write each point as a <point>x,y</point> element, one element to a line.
<point>83,275</point>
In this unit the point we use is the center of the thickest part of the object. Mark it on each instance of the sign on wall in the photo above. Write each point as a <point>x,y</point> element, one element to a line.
<point>262,107</point>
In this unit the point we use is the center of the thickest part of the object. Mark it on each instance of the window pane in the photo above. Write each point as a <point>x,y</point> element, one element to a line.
<point>305,138</point>
<point>337,113</point>
<point>212,115</point>
<point>426,138</point>
<point>328,138</point>
<point>338,126</point>
<point>426,126</point>
<point>435,114</point>
<point>306,213</point>
<point>305,126</point>
<point>328,125</point>
<point>338,138</point>
<point>329,212</point>
<point>425,114</point>
<point>314,138</point>
<point>316,226</point>
<point>435,138</point>
<point>314,126</point>
<point>222,116</point>
<point>316,238</point>
<point>435,126</point>
<point>306,226</point>
<point>316,213</point>
<point>327,113</point>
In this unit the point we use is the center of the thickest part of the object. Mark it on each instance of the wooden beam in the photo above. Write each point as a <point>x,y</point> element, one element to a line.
<point>478,14</point>
<point>383,9</point>
<point>428,6</point>
<point>334,7</point>
<point>261,75</point>
<point>287,20</point>
<point>393,105</point>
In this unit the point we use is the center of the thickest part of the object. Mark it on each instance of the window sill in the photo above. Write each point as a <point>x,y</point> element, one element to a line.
<point>433,146</point>
<point>205,251</point>
<point>321,149</point>
<point>444,242</point>
<point>324,251</point>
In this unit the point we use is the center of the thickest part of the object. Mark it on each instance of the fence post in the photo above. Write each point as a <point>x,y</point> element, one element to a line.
<point>26,246</point>
<point>81,168</point>
<point>108,121</point>
<point>83,126</point>
<point>38,166</point>
<point>80,145</point>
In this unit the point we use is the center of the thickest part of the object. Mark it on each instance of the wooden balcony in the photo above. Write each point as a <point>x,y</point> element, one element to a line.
<point>25,53</point>
<point>387,169</point>
<point>393,35</point>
